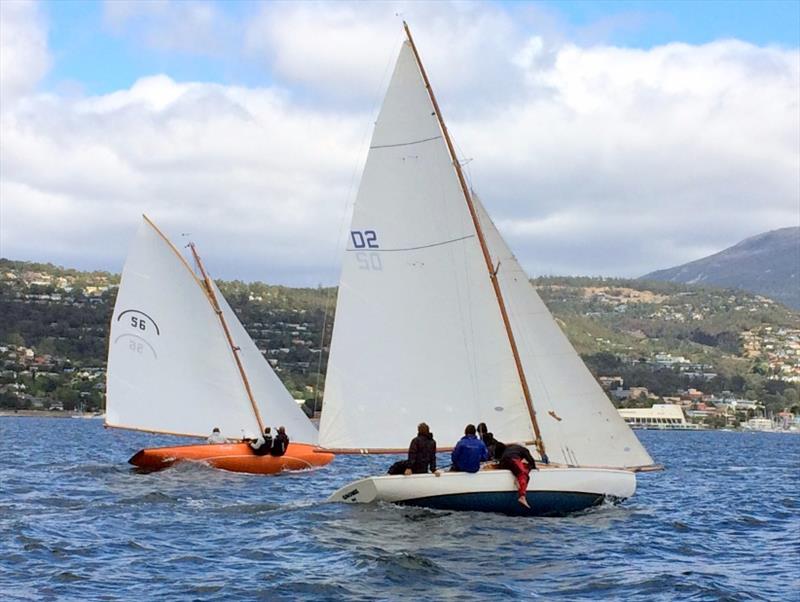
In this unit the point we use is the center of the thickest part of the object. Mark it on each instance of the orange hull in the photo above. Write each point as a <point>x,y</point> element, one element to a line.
<point>236,457</point>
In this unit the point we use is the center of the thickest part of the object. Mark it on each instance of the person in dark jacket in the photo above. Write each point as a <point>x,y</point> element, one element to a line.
<point>489,441</point>
<point>263,445</point>
<point>469,452</point>
<point>422,452</point>
<point>421,455</point>
<point>518,459</point>
<point>280,443</point>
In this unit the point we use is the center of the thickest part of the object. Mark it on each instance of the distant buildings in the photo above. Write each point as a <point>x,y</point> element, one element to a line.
<point>659,416</point>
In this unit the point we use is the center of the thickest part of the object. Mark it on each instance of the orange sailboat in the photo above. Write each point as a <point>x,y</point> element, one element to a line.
<point>181,363</point>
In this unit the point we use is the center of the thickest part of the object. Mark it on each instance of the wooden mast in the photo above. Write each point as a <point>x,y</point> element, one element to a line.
<point>484,248</point>
<point>215,304</point>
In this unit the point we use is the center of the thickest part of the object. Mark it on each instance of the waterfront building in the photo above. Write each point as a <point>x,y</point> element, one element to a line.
<point>660,416</point>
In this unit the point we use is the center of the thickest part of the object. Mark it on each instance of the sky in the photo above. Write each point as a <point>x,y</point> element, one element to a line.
<point>605,138</point>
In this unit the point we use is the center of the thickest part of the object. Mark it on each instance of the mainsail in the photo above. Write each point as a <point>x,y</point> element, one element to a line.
<point>171,368</point>
<point>419,332</point>
<point>418,335</point>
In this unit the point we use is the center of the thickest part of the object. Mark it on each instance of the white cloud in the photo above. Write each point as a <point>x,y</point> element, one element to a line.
<point>24,57</point>
<point>592,159</point>
<point>346,51</point>
<point>258,182</point>
<point>642,157</point>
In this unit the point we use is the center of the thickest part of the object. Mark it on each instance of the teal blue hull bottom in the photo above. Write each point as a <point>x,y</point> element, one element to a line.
<point>543,503</point>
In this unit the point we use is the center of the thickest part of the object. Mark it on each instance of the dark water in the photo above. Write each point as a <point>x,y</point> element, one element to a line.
<point>722,523</point>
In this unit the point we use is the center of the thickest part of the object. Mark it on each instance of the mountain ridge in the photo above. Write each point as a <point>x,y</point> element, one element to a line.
<point>766,264</point>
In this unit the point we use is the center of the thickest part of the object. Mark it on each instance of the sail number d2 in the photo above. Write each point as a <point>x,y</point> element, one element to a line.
<point>366,239</point>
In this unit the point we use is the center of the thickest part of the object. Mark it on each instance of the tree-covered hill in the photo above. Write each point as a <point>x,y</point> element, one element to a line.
<point>661,335</point>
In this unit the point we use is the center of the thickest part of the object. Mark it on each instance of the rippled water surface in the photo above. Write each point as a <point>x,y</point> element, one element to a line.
<point>76,522</point>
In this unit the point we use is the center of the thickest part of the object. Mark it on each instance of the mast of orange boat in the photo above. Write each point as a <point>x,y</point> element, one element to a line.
<point>212,297</point>
<point>484,249</point>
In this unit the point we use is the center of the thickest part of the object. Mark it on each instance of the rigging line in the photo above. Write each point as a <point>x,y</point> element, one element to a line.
<point>404,143</point>
<point>465,165</point>
<point>433,244</point>
<point>321,351</point>
<point>341,240</point>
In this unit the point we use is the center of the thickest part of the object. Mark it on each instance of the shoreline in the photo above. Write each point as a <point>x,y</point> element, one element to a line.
<point>46,414</point>
<point>94,416</point>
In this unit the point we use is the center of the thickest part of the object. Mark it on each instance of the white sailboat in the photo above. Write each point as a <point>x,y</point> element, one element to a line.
<point>181,363</point>
<point>436,321</point>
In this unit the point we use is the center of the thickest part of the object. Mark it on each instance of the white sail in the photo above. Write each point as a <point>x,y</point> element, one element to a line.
<point>275,403</point>
<point>578,423</point>
<point>170,366</point>
<point>418,334</point>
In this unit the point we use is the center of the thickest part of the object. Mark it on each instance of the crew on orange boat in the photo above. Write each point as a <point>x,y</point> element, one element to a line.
<point>215,437</point>
<point>263,445</point>
<point>280,443</point>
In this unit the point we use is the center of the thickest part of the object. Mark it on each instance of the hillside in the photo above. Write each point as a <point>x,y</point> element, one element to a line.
<point>767,264</point>
<point>667,337</point>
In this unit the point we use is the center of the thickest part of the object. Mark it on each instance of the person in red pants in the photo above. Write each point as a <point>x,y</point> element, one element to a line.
<point>518,459</point>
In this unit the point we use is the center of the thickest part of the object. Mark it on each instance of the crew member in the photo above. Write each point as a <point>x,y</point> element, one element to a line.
<point>469,452</point>
<point>422,452</point>
<point>263,445</point>
<point>215,437</point>
<point>280,443</point>
<point>518,459</point>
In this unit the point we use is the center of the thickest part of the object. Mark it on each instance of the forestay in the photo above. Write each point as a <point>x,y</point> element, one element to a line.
<point>579,425</point>
<point>418,333</point>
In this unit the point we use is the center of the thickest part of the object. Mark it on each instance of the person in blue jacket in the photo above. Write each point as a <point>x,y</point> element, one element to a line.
<point>469,452</point>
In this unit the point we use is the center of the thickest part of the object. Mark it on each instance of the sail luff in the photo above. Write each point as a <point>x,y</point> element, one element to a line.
<point>234,348</point>
<point>539,442</point>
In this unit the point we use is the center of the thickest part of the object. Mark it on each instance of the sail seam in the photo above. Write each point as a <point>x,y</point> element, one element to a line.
<point>404,143</point>
<point>433,244</point>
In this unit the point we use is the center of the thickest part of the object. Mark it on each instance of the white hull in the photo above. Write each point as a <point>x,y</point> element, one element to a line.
<point>550,491</point>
